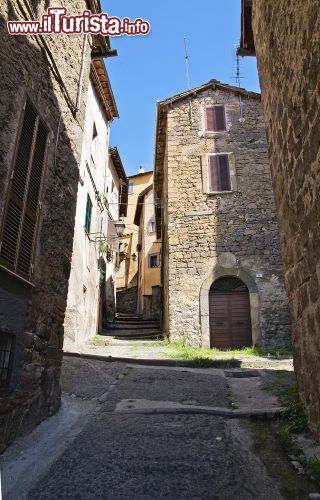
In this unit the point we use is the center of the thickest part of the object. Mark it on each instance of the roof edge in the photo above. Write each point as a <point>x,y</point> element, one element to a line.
<point>214,84</point>
<point>140,202</point>
<point>102,85</point>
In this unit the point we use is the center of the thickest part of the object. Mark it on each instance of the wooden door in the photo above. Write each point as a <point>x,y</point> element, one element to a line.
<point>230,325</point>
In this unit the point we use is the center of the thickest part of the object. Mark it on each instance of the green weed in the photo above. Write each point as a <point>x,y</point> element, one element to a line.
<point>99,340</point>
<point>181,350</point>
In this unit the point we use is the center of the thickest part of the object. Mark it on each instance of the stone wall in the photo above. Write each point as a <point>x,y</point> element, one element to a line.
<point>126,300</point>
<point>200,229</point>
<point>287,35</point>
<point>25,70</point>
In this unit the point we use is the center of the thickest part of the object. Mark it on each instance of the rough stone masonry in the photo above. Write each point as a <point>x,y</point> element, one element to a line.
<point>46,72</point>
<point>209,235</point>
<point>287,37</point>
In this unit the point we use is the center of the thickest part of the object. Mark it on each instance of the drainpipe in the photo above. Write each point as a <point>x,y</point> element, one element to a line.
<point>79,92</point>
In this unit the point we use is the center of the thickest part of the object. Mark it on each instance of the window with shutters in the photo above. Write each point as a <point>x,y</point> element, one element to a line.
<point>215,119</point>
<point>87,224</point>
<point>219,173</point>
<point>94,144</point>
<point>21,215</point>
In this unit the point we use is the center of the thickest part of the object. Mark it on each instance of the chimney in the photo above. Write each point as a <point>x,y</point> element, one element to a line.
<point>141,170</point>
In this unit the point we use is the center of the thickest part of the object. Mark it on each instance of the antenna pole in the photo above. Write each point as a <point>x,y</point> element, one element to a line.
<point>186,57</point>
<point>238,81</point>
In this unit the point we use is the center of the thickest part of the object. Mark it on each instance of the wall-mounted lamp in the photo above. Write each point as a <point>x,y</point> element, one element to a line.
<point>120,226</point>
<point>134,257</point>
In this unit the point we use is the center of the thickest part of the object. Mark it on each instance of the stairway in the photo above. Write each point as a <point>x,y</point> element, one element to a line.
<point>132,327</point>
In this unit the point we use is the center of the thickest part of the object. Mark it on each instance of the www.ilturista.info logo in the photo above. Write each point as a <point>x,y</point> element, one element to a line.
<point>56,21</point>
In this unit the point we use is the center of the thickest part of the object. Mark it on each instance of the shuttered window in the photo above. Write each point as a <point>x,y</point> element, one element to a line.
<point>219,173</point>
<point>87,224</point>
<point>22,210</point>
<point>215,118</point>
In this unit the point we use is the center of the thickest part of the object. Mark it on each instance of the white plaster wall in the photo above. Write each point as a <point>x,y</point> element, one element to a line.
<point>112,196</point>
<point>82,306</point>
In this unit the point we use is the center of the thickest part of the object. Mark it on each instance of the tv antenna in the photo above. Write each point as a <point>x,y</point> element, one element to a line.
<point>186,57</point>
<point>238,79</point>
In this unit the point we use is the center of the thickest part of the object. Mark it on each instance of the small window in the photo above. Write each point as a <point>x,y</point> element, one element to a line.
<point>94,142</point>
<point>130,188</point>
<point>154,260</point>
<point>219,173</point>
<point>151,227</point>
<point>215,118</point>
<point>88,214</point>
<point>6,350</point>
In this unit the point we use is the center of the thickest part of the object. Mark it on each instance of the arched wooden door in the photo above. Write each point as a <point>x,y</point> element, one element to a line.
<point>229,313</point>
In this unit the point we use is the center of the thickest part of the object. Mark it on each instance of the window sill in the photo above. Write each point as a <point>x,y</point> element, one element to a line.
<point>17,276</point>
<point>214,193</point>
<point>213,134</point>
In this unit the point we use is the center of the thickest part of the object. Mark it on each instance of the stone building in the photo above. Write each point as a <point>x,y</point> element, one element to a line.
<point>149,258</point>
<point>102,195</point>
<point>42,108</point>
<point>289,72</point>
<point>222,270</point>
<point>127,274</point>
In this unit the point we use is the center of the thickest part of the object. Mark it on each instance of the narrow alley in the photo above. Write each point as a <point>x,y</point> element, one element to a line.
<point>159,250</point>
<point>140,432</point>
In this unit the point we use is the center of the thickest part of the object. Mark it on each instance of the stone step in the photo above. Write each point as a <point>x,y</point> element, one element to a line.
<point>132,326</point>
<point>140,337</point>
<point>127,316</point>
<point>133,334</point>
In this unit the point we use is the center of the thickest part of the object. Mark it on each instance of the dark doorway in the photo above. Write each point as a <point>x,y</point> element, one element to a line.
<point>229,310</point>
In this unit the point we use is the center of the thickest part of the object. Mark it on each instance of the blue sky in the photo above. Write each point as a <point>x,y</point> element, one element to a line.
<point>152,68</point>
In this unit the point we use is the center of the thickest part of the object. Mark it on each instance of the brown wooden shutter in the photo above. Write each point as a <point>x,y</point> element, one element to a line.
<point>213,174</point>
<point>224,173</point>
<point>215,119</point>
<point>210,121</point>
<point>220,118</point>
<point>21,216</point>
<point>219,173</point>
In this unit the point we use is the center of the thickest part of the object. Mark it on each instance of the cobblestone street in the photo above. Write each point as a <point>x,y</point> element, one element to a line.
<point>139,432</point>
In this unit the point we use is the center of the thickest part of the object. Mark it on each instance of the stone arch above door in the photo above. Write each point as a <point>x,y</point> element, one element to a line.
<point>220,272</point>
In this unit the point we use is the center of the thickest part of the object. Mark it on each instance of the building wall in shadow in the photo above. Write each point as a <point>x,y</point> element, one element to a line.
<point>32,311</point>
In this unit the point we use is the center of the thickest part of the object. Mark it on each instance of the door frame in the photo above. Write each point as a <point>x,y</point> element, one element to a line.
<point>248,280</point>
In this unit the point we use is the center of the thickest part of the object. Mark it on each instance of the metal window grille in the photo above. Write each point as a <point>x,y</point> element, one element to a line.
<point>6,354</point>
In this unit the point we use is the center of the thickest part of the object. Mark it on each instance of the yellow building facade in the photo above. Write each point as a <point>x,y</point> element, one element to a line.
<point>127,273</point>
<point>149,264</point>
